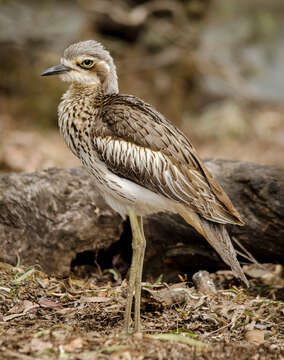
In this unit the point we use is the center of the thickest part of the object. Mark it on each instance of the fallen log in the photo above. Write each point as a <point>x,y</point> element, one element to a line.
<point>51,216</point>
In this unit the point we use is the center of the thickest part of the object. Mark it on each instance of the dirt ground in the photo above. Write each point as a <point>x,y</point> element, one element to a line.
<point>43,317</point>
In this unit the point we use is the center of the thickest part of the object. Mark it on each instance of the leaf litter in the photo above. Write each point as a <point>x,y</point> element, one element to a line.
<point>44,317</point>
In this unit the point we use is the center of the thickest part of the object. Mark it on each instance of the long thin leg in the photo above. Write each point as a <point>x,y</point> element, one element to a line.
<point>136,236</point>
<point>142,246</point>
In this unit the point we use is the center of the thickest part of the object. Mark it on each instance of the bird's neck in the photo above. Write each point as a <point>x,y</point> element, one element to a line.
<point>78,108</point>
<point>79,92</point>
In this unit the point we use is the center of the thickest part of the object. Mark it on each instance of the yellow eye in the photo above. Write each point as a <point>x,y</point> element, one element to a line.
<point>87,63</point>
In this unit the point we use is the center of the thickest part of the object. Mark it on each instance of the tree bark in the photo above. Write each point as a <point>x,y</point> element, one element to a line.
<point>49,217</point>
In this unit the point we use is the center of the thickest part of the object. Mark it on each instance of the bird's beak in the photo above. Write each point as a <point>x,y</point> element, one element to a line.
<point>55,70</point>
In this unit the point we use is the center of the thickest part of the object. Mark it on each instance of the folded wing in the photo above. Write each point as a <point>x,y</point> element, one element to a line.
<point>138,143</point>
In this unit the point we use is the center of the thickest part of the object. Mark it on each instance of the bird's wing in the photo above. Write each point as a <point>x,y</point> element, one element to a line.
<point>138,143</point>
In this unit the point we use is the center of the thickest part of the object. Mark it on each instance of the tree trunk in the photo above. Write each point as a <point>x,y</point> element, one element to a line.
<point>50,217</point>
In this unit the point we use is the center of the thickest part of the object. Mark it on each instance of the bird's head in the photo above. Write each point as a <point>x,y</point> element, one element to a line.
<point>87,62</point>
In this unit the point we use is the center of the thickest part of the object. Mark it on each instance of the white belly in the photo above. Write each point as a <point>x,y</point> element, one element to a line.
<point>122,194</point>
<point>131,195</point>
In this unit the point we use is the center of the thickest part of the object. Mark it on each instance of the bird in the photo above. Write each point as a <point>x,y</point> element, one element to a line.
<point>141,162</point>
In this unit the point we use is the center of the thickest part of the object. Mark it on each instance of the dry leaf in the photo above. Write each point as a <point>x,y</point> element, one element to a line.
<point>29,306</point>
<point>17,309</point>
<point>25,307</point>
<point>167,297</point>
<point>43,282</point>
<point>94,299</point>
<point>255,336</point>
<point>12,316</point>
<point>44,302</point>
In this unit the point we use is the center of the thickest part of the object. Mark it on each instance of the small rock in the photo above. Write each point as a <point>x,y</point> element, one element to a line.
<point>204,283</point>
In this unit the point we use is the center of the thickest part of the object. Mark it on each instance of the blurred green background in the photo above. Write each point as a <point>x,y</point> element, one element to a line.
<point>214,67</point>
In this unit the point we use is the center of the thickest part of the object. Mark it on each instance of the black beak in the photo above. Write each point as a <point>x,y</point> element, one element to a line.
<point>55,70</point>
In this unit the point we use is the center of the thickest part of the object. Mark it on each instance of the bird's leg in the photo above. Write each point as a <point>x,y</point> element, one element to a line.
<point>142,246</point>
<point>136,236</point>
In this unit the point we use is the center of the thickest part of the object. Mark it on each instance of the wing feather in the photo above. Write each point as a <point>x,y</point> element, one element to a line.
<point>138,143</point>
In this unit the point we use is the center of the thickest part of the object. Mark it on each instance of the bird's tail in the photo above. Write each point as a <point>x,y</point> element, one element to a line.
<point>218,237</point>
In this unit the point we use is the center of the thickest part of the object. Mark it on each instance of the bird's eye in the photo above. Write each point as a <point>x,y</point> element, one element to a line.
<point>87,63</point>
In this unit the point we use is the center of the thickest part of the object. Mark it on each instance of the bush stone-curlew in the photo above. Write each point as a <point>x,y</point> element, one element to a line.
<point>141,162</point>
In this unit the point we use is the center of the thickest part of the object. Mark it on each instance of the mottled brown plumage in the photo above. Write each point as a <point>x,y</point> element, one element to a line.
<point>140,160</point>
<point>126,118</point>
